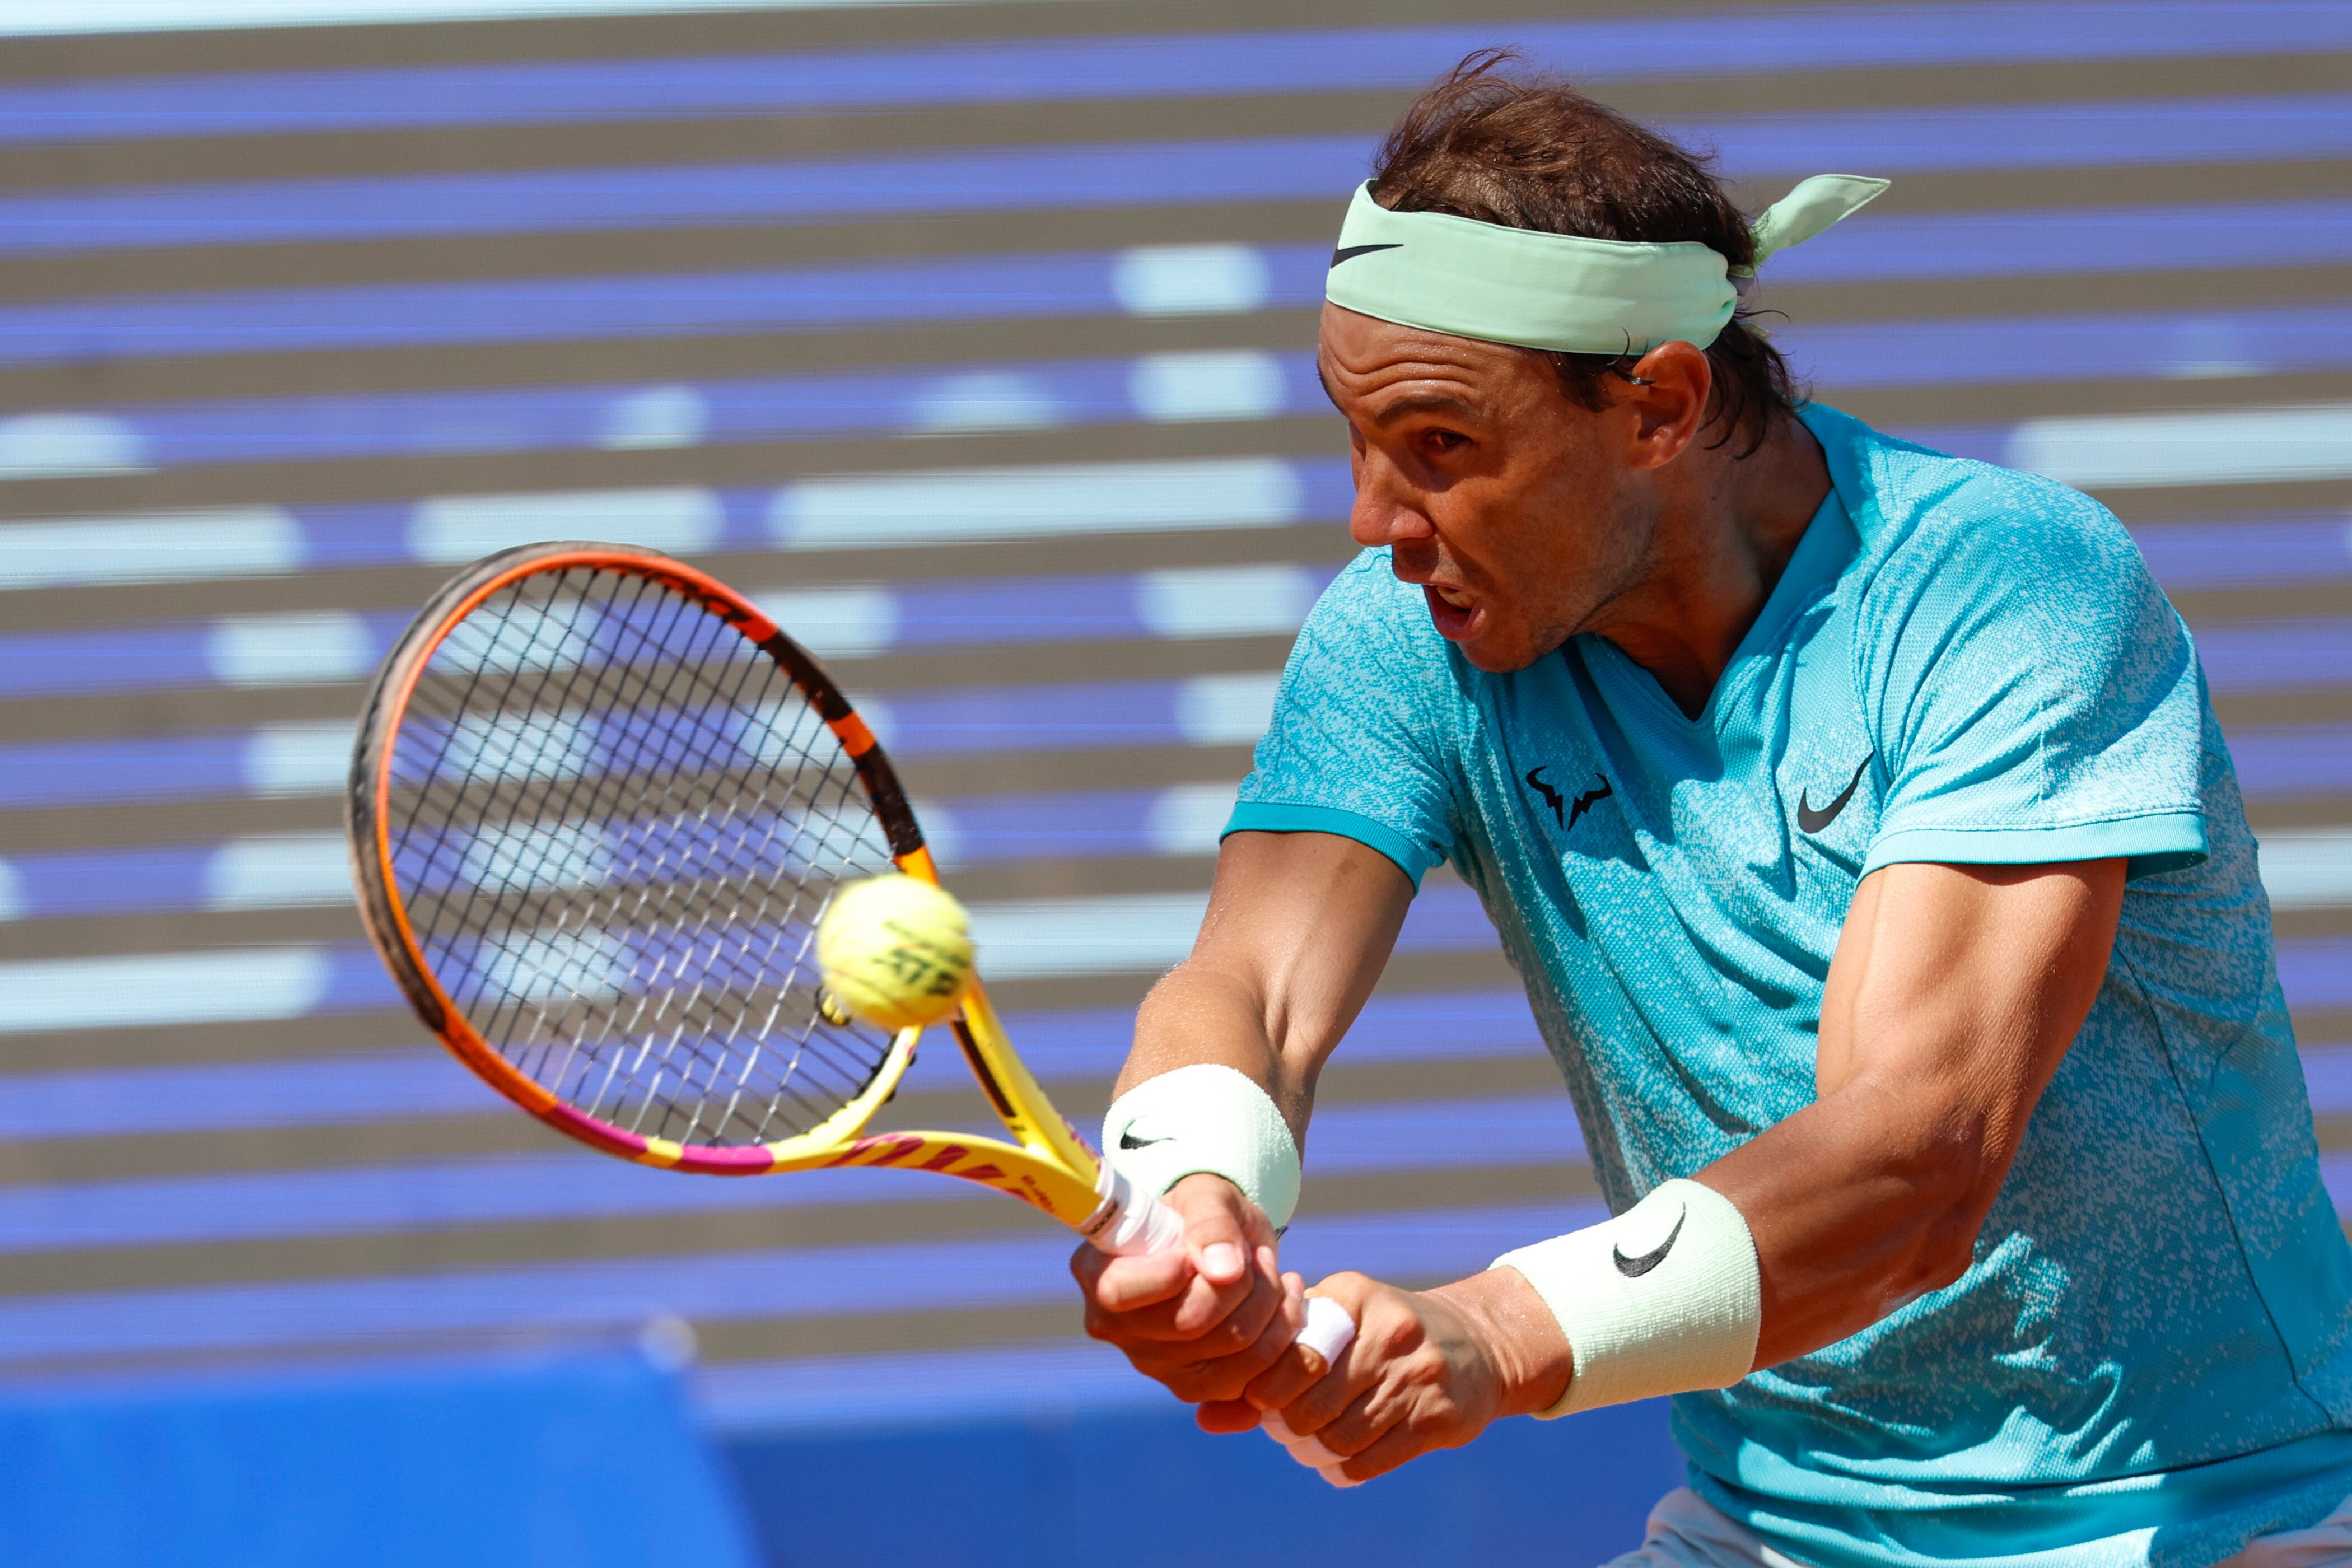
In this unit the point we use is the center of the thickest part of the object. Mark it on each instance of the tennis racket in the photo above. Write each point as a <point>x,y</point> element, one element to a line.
<point>598,804</point>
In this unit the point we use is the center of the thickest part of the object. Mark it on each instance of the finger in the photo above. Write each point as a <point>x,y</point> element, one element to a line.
<point>1320,1401</point>
<point>1308,1452</point>
<point>1369,1417</point>
<point>1397,1445</point>
<point>1127,1284</point>
<point>1218,1387</point>
<point>1338,1476</point>
<point>1216,1366</point>
<point>1216,1228</point>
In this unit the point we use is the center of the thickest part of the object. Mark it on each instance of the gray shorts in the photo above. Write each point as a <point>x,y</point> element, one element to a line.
<point>1685,1531</point>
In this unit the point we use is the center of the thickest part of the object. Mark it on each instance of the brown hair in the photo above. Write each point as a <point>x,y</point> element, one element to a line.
<point>1530,152</point>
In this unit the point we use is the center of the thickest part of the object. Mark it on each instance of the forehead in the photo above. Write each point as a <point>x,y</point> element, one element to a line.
<point>1358,356</point>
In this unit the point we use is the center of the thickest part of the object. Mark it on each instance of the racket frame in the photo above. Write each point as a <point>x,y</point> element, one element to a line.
<point>1046,1164</point>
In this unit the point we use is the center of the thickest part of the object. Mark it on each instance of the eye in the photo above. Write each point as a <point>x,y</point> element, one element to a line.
<point>1443,442</point>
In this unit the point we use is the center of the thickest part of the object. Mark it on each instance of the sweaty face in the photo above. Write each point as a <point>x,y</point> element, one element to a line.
<point>1511,506</point>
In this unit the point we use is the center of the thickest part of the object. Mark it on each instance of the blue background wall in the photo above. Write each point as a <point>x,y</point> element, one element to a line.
<point>974,337</point>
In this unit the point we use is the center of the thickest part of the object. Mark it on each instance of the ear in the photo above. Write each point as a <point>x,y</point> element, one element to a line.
<point>1668,399</point>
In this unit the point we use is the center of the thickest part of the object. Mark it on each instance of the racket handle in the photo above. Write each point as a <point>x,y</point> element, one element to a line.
<point>1140,1223</point>
<point>1133,1220</point>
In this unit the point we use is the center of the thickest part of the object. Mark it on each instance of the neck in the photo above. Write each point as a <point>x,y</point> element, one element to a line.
<point>1725,531</point>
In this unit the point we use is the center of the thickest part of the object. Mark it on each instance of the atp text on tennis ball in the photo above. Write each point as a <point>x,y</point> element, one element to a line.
<point>896,950</point>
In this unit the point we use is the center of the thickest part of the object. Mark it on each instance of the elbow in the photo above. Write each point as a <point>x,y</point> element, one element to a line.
<point>1951,1181</point>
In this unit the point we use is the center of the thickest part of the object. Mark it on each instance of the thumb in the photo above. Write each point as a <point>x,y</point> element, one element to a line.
<point>1217,1228</point>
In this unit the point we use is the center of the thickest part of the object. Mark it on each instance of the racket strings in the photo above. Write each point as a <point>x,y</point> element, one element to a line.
<point>615,823</point>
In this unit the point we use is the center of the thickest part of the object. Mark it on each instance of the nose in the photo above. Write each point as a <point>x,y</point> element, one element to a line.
<point>1385,512</point>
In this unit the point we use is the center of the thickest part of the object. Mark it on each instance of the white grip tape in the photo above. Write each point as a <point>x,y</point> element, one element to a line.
<point>1132,1220</point>
<point>1206,1117</point>
<point>1664,1298</point>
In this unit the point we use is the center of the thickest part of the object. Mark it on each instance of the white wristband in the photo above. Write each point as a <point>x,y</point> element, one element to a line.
<point>1205,1117</point>
<point>1664,1298</point>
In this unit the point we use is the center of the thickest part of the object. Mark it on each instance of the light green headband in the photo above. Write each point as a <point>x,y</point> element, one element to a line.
<point>1561,291</point>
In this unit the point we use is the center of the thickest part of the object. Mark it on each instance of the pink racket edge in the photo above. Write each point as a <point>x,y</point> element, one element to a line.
<point>367,821</point>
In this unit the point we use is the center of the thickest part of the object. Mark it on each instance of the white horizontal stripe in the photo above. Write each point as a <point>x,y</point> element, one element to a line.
<point>54,446</point>
<point>1191,279</point>
<point>1187,818</point>
<point>1226,710</point>
<point>158,547</point>
<point>232,986</point>
<point>849,622</point>
<point>2215,447</point>
<point>299,759</point>
<point>289,651</point>
<point>1229,384</point>
<point>2308,869</point>
<point>1226,601</point>
<point>304,870</point>
<point>448,530</point>
<point>1033,502</point>
<point>1029,938</point>
<point>33,18</point>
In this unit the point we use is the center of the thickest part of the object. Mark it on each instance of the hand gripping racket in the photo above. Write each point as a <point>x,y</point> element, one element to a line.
<point>598,804</point>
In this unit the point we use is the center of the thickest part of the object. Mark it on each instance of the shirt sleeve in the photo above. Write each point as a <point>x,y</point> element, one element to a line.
<point>2033,695</point>
<point>1357,745</point>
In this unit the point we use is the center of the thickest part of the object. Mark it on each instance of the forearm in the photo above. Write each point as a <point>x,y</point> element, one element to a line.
<point>1298,928</point>
<point>1859,1203</point>
<point>1199,1013</point>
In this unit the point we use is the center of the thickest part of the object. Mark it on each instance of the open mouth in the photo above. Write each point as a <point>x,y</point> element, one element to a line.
<point>1459,616</point>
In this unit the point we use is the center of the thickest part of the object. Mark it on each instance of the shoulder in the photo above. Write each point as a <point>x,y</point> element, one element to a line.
<point>1369,649</point>
<point>1372,621</point>
<point>1956,541</point>
<point>1367,597</point>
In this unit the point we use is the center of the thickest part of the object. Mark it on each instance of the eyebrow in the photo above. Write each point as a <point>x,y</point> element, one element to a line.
<point>1426,403</point>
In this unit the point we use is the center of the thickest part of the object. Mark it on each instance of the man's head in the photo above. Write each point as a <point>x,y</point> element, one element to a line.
<point>1525,488</point>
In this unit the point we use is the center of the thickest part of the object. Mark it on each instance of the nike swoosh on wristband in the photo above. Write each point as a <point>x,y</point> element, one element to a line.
<point>1129,1140</point>
<point>1349,252</point>
<point>1812,821</point>
<point>1635,1268</point>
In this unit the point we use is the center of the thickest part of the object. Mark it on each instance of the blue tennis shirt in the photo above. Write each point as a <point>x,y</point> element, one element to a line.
<point>2149,1360</point>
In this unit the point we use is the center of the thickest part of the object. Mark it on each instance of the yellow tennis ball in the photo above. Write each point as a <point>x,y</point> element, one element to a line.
<point>896,950</point>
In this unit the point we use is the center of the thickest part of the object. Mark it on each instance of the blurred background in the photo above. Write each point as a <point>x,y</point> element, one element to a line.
<point>975,339</point>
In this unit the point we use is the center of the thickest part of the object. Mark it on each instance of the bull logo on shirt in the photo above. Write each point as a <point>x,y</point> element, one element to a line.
<point>1565,811</point>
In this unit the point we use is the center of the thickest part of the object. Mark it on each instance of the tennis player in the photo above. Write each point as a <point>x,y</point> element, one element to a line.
<point>1857,819</point>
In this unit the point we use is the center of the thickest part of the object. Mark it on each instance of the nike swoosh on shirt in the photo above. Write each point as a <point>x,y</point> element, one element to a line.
<point>1349,252</point>
<point>1129,1140</point>
<point>1635,1268</point>
<point>1812,821</point>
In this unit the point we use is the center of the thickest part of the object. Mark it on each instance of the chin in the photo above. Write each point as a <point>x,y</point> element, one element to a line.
<point>1499,664</point>
<point>1500,654</point>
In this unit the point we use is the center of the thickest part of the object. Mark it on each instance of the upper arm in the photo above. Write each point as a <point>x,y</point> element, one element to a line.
<point>1956,990</point>
<point>1951,1000</point>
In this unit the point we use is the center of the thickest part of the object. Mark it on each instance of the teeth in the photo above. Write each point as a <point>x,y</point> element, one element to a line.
<point>1459,601</point>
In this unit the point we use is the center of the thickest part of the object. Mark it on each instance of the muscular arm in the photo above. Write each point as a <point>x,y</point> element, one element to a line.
<point>1300,925</point>
<point>1953,993</point>
<point>1298,928</point>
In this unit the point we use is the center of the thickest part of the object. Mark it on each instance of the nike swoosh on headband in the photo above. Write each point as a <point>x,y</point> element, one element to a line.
<point>1561,291</point>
